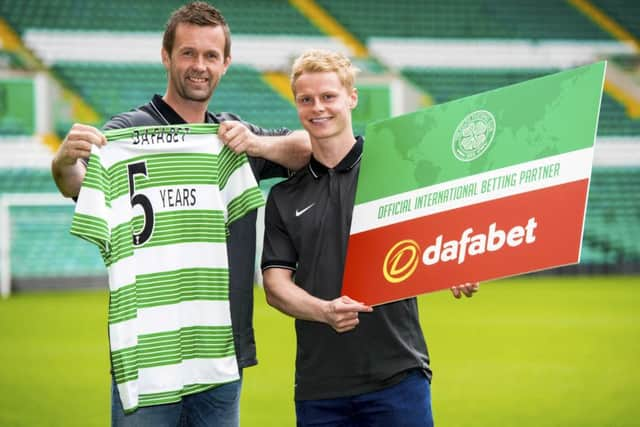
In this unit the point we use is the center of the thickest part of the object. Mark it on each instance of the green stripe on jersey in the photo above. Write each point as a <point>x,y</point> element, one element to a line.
<point>170,287</point>
<point>228,163</point>
<point>94,229</point>
<point>172,227</point>
<point>122,242</point>
<point>95,177</point>
<point>247,201</point>
<point>188,226</point>
<point>164,170</point>
<point>122,304</point>
<point>170,348</point>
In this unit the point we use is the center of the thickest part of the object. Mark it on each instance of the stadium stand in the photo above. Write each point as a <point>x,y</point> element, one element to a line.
<point>484,19</point>
<point>247,17</point>
<point>26,180</point>
<point>10,61</point>
<point>624,12</point>
<point>108,54</point>
<point>57,255</point>
<point>613,217</point>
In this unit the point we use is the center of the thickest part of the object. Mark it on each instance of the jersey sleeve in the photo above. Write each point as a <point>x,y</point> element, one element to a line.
<point>90,220</point>
<point>277,250</point>
<point>238,187</point>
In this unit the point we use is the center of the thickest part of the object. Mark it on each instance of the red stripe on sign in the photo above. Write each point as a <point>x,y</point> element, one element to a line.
<point>512,235</point>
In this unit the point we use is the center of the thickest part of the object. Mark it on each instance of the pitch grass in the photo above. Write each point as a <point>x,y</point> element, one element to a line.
<point>559,351</point>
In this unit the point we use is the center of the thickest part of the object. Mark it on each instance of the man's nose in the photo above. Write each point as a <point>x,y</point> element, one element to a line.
<point>199,62</point>
<point>318,105</point>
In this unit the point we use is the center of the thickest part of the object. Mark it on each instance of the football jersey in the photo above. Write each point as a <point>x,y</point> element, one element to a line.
<point>157,202</point>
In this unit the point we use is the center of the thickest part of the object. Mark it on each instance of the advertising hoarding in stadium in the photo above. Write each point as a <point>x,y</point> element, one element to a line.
<point>487,186</point>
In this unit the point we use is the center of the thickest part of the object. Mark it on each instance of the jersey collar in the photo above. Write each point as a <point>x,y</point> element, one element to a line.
<point>352,158</point>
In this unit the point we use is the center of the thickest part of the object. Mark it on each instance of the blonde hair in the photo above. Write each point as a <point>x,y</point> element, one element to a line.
<point>319,61</point>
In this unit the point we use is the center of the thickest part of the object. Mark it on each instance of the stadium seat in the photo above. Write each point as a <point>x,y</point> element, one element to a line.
<point>488,19</point>
<point>613,214</point>
<point>624,12</point>
<point>246,17</point>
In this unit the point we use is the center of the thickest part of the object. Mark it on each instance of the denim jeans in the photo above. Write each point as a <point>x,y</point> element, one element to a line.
<point>406,404</point>
<point>219,406</point>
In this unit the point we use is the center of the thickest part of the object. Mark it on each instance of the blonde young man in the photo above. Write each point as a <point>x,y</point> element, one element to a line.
<point>196,52</point>
<point>355,365</point>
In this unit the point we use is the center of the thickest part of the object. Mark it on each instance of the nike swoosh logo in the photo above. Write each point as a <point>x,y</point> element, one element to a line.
<point>301,211</point>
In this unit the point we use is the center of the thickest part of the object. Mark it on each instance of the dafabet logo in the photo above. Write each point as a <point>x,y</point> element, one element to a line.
<point>401,261</point>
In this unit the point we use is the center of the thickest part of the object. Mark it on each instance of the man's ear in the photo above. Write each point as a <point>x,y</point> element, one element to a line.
<point>165,58</point>
<point>227,62</point>
<point>353,99</point>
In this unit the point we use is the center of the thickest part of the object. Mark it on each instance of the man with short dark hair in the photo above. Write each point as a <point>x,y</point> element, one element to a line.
<point>196,54</point>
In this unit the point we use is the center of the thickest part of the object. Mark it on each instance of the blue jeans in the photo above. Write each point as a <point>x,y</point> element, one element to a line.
<point>219,406</point>
<point>406,404</point>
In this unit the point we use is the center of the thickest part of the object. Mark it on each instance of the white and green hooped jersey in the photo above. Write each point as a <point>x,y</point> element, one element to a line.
<point>157,202</point>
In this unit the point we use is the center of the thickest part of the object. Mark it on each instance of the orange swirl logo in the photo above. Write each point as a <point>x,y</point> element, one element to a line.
<point>401,261</point>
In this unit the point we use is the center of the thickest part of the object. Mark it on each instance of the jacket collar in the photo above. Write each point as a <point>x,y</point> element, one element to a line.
<point>169,114</point>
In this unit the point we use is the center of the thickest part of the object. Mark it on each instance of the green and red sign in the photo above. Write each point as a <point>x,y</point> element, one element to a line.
<point>484,187</point>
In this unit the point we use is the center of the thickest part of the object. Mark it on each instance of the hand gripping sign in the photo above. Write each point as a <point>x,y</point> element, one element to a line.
<point>488,186</point>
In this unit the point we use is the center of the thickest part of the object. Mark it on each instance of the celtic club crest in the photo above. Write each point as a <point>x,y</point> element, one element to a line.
<point>473,135</point>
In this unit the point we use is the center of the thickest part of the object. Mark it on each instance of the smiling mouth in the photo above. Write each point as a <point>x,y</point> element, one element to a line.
<point>320,119</point>
<point>198,80</point>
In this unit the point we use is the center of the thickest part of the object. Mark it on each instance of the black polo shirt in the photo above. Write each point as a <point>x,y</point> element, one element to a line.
<point>241,247</point>
<point>307,223</point>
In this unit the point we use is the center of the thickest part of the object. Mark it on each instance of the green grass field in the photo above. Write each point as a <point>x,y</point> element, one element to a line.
<point>523,352</point>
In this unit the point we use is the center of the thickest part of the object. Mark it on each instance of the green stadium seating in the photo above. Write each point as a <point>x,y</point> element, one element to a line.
<point>624,12</point>
<point>10,60</point>
<point>612,223</point>
<point>43,247</point>
<point>26,180</point>
<point>487,19</point>
<point>246,17</point>
<point>614,119</point>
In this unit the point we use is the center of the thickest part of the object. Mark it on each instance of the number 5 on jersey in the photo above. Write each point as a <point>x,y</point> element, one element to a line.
<point>140,168</point>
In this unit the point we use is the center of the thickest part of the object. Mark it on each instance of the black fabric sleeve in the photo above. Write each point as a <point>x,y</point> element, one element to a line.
<point>117,122</point>
<point>277,250</point>
<point>141,116</point>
